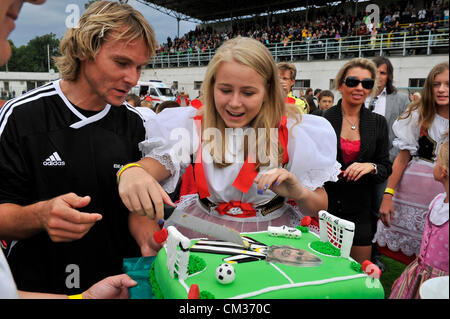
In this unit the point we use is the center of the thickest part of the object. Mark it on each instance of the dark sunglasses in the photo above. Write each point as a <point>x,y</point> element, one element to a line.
<point>353,81</point>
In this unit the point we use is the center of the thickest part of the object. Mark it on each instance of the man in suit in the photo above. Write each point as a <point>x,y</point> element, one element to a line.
<point>389,103</point>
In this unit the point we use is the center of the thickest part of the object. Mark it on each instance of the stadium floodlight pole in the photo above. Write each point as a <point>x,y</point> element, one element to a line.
<point>48,56</point>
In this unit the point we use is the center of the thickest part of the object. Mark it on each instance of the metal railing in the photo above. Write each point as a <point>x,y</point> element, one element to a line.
<point>401,43</point>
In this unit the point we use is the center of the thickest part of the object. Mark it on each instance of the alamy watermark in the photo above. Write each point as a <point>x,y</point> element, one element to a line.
<point>372,280</point>
<point>374,13</point>
<point>73,279</point>
<point>260,147</point>
<point>73,11</point>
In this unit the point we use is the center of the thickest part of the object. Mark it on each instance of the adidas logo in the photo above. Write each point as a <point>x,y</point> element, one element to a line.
<point>54,160</point>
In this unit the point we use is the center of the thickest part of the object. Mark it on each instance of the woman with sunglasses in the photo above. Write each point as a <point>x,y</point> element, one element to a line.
<point>420,132</point>
<point>362,150</point>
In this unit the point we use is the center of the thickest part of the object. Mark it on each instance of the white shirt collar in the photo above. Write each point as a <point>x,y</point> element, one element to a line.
<point>439,212</point>
<point>383,93</point>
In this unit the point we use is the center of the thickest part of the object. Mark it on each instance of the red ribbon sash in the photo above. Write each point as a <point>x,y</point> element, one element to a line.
<point>246,208</point>
<point>199,172</point>
<point>248,172</point>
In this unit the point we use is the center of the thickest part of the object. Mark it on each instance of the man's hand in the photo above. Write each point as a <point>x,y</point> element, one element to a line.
<point>114,287</point>
<point>142,229</point>
<point>63,222</point>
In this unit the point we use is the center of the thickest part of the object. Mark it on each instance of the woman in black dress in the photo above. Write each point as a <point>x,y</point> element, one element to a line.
<point>362,150</point>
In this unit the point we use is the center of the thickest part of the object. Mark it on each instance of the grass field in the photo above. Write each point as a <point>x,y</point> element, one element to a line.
<point>393,270</point>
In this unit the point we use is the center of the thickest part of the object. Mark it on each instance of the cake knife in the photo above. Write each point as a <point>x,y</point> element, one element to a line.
<point>179,217</point>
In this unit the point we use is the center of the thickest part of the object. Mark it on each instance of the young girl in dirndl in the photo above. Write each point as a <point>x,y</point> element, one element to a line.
<point>420,132</point>
<point>433,257</point>
<point>237,186</point>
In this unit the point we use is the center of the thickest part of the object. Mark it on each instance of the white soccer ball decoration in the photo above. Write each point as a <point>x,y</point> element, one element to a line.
<point>225,273</point>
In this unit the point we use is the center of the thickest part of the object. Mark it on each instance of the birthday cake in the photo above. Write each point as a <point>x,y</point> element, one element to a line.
<point>282,262</point>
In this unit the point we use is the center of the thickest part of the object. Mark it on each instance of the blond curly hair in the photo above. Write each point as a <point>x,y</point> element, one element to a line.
<point>97,22</point>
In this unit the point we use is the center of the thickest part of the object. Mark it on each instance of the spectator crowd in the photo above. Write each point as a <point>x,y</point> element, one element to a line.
<point>326,24</point>
<point>358,157</point>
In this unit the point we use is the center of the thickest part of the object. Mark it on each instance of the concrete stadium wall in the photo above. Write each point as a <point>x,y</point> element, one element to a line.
<point>319,73</point>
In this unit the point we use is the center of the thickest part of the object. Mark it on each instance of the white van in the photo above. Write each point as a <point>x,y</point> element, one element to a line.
<point>156,90</point>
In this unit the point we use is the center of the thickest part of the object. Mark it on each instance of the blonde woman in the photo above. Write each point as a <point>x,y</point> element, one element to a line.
<point>242,183</point>
<point>420,132</point>
<point>362,150</point>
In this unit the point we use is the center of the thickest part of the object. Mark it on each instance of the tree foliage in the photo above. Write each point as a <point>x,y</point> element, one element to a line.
<point>33,57</point>
<point>87,4</point>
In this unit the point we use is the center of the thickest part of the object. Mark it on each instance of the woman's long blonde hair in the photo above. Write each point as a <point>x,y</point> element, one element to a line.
<point>443,155</point>
<point>426,105</point>
<point>255,55</point>
<point>96,23</point>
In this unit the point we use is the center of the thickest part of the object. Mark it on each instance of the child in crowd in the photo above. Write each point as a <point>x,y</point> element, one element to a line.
<point>133,100</point>
<point>243,183</point>
<point>165,105</point>
<point>433,258</point>
<point>326,100</point>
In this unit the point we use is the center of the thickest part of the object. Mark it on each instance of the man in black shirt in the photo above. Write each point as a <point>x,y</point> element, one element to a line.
<point>60,148</point>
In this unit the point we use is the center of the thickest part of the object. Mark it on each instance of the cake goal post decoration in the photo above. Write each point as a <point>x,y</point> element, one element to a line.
<point>338,232</point>
<point>177,260</point>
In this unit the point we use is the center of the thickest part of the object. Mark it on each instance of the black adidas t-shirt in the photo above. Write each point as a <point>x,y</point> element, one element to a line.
<point>48,148</point>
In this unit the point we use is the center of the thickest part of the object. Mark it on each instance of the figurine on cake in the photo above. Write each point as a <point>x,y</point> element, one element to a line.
<point>250,151</point>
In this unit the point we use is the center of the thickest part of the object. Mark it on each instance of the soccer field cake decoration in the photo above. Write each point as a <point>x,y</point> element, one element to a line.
<point>282,262</point>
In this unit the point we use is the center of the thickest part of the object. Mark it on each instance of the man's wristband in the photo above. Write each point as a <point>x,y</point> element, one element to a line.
<point>79,296</point>
<point>125,167</point>
<point>389,191</point>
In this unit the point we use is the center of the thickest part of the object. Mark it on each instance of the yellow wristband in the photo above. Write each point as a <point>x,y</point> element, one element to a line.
<point>390,191</point>
<point>79,296</point>
<point>125,167</point>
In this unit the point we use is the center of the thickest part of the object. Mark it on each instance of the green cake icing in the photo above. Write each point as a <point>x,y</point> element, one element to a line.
<point>334,278</point>
<point>206,295</point>
<point>325,248</point>
<point>196,264</point>
<point>356,266</point>
<point>303,229</point>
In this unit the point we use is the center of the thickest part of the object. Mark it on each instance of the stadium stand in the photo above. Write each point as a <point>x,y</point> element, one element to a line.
<point>322,31</point>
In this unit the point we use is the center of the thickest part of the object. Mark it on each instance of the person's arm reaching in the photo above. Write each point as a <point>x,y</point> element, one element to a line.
<point>140,190</point>
<point>285,184</point>
<point>114,287</point>
<point>387,205</point>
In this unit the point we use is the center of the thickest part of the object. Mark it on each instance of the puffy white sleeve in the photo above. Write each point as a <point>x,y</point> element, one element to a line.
<point>170,139</point>
<point>312,149</point>
<point>146,112</point>
<point>407,133</point>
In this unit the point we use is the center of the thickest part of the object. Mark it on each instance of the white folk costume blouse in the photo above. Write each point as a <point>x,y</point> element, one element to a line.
<point>311,149</point>
<point>409,135</point>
